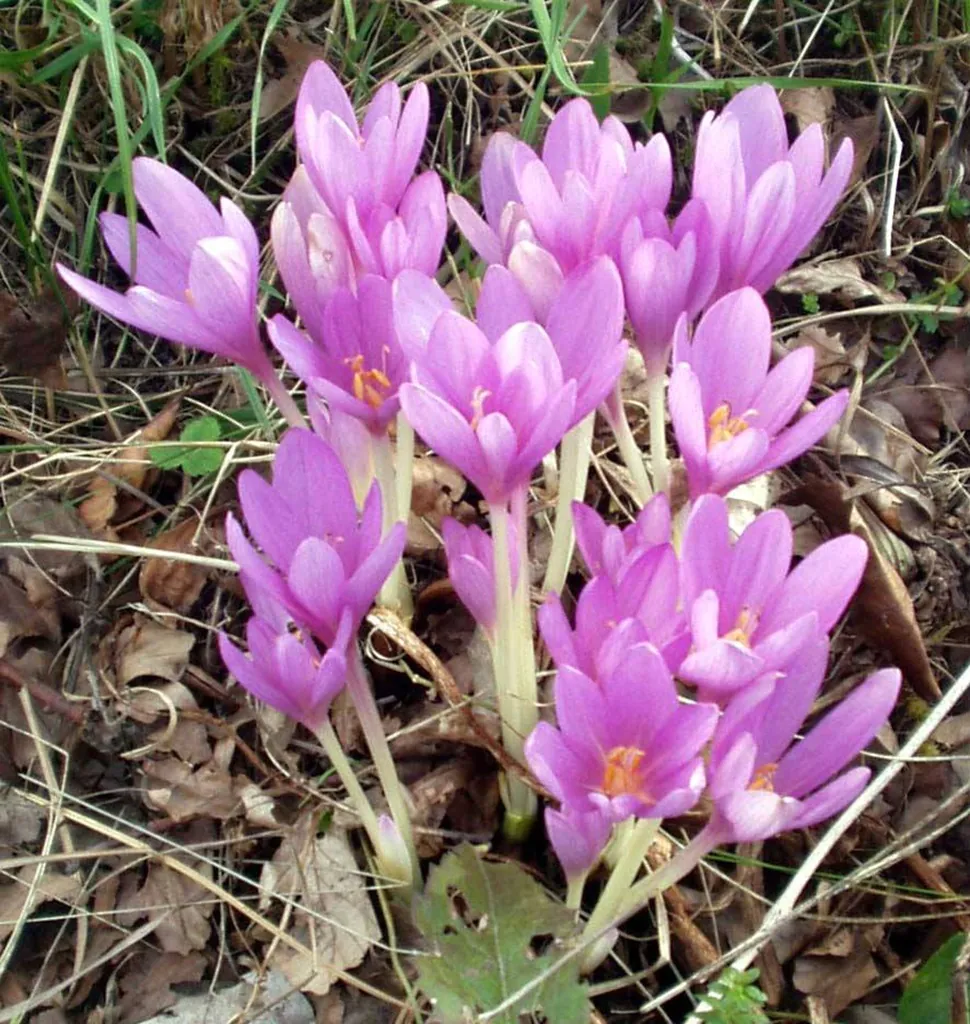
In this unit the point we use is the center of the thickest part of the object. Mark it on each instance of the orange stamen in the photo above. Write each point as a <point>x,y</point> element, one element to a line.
<point>622,772</point>
<point>723,426</point>
<point>370,386</point>
<point>763,778</point>
<point>743,629</point>
<point>478,402</point>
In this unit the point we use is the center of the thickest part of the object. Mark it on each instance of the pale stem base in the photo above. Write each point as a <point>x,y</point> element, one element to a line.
<point>283,400</point>
<point>629,449</point>
<point>576,454</point>
<point>395,594</point>
<point>514,663</point>
<point>358,685</point>
<point>345,772</point>
<point>656,406</point>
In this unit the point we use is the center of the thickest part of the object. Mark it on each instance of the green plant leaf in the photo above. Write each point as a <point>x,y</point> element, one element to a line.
<point>928,996</point>
<point>194,461</point>
<point>492,930</point>
<point>596,79</point>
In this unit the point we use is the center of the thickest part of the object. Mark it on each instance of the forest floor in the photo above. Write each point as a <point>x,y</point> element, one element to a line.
<point>161,845</point>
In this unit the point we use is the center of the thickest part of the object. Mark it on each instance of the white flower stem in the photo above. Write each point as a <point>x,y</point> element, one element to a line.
<point>284,400</point>
<point>576,453</point>
<point>612,899</point>
<point>514,661</point>
<point>629,450</point>
<point>395,594</point>
<point>656,406</point>
<point>359,687</point>
<point>345,771</point>
<point>574,891</point>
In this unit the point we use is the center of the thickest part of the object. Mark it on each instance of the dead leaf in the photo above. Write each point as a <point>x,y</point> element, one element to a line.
<point>33,335</point>
<point>808,106</point>
<point>842,277</point>
<point>170,584</point>
<point>28,892</point>
<point>279,93</point>
<point>831,362</point>
<point>147,979</point>
<point>864,134</point>
<point>19,617</point>
<point>173,787</point>
<point>27,512</point>
<point>146,649</point>
<point>335,919</point>
<point>841,969</point>
<point>20,820</point>
<point>436,489</point>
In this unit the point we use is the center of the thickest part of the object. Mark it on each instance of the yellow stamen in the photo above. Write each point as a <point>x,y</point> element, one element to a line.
<point>370,386</point>
<point>745,626</point>
<point>621,775</point>
<point>723,426</point>
<point>763,778</point>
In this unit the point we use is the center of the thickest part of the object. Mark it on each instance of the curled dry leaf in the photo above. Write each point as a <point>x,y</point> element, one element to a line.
<point>808,106</point>
<point>26,513</point>
<point>143,648</point>
<point>33,335</point>
<point>20,618</point>
<point>146,982</point>
<point>298,55</point>
<point>842,277</point>
<point>436,489</point>
<point>335,918</point>
<point>864,134</point>
<point>841,969</point>
<point>29,889</point>
<point>125,474</point>
<point>171,584</point>
<point>173,787</point>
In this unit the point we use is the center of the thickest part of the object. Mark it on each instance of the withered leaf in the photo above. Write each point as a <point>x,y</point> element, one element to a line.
<point>170,583</point>
<point>808,106</point>
<point>26,513</point>
<point>146,649</point>
<point>279,93</point>
<point>33,335</point>
<point>842,276</point>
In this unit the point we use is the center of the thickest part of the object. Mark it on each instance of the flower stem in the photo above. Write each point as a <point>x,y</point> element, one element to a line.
<point>395,594</point>
<point>612,898</point>
<point>283,399</point>
<point>342,766</point>
<point>629,449</point>
<point>572,486</point>
<point>359,688</point>
<point>514,661</point>
<point>659,463</point>
<point>404,466</point>
<point>681,864</point>
<point>574,891</point>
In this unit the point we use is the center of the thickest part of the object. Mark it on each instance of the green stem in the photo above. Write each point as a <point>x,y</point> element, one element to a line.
<point>359,688</point>
<point>345,771</point>
<point>659,462</point>
<point>614,894</point>
<point>514,662</point>
<point>630,451</point>
<point>574,891</point>
<point>284,400</point>
<point>574,470</point>
<point>395,594</point>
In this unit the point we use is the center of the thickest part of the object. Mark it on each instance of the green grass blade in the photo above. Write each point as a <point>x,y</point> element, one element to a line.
<point>154,112</point>
<point>279,9</point>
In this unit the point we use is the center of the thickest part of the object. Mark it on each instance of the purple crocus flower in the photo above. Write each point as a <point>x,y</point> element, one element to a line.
<point>729,413</point>
<point>748,614</point>
<point>471,569</point>
<point>767,199</point>
<point>360,367</point>
<point>607,549</point>
<point>322,558</point>
<point>625,745</point>
<point>576,199</point>
<point>667,271</point>
<point>578,838</point>
<point>762,783</point>
<point>360,168</point>
<point>196,270</point>
<point>286,670</point>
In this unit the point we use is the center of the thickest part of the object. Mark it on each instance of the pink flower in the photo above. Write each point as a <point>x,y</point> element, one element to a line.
<point>196,273</point>
<point>625,745</point>
<point>762,782</point>
<point>366,167</point>
<point>360,366</point>
<point>748,614</point>
<point>729,413</point>
<point>578,838</point>
<point>608,549</point>
<point>286,670</point>
<point>322,558</point>
<point>767,199</point>
<point>471,569</point>
<point>576,199</point>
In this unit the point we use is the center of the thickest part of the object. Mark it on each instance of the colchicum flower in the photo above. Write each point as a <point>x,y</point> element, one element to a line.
<point>494,406</point>
<point>471,569</point>
<point>574,201</point>
<point>195,271</point>
<point>767,200</point>
<point>578,838</point>
<point>323,559</point>
<point>625,746</point>
<point>608,549</point>
<point>286,670</point>
<point>762,782</point>
<point>729,412</point>
<point>748,614</point>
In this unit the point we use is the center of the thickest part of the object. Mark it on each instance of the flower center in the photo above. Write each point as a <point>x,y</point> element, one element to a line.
<point>370,386</point>
<point>763,778</point>
<point>723,426</point>
<point>621,774</point>
<point>744,628</point>
<point>479,395</point>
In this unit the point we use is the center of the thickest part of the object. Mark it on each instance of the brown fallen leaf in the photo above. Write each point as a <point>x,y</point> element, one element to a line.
<point>33,335</point>
<point>27,512</point>
<point>808,106</point>
<point>173,787</point>
<point>19,617</point>
<point>279,93</point>
<point>864,134</point>
<point>436,489</point>
<point>170,584</point>
<point>842,277</point>
<point>146,982</point>
<point>29,889</point>
<point>143,648</point>
<point>335,918</point>
<point>841,969</point>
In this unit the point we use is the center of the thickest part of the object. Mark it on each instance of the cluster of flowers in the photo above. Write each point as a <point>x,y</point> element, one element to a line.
<point>577,241</point>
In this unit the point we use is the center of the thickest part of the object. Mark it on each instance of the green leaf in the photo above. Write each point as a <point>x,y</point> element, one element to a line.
<point>928,996</point>
<point>493,929</point>
<point>596,80</point>
<point>810,302</point>
<point>193,461</point>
